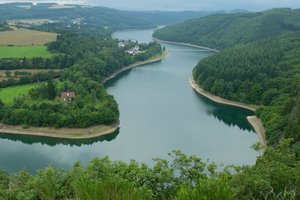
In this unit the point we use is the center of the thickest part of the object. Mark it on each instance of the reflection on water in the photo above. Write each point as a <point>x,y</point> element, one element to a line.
<point>27,139</point>
<point>231,116</point>
<point>159,112</point>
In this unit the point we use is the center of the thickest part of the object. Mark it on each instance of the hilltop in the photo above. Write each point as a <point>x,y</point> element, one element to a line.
<point>220,31</point>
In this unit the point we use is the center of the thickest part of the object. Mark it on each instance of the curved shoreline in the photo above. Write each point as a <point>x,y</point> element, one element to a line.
<point>62,133</point>
<point>136,64</point>
<point>76,133</point>
<point>259,129</point>
<point>185,44</point>
<point>254,121</point>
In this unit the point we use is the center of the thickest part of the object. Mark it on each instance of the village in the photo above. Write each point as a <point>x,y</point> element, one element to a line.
<point>132,48</point>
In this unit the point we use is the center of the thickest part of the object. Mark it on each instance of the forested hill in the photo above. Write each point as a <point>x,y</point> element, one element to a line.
<point>226,30</point>
<point>95,16</point>
<point>259,64</point>
<point>264,73</point>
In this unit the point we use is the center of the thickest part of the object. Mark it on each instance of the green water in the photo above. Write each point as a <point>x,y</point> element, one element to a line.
<point>159,113</point>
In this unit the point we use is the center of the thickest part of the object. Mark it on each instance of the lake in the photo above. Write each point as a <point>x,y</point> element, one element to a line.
<point>159,112</point>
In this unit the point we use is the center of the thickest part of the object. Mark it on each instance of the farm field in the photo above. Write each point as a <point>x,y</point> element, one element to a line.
<point>8,94</point>
<point>31,71</point>
<point>24,51</point>
<point>26,37</point>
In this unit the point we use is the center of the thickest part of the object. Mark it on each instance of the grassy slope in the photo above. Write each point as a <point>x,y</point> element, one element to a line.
<point>24,51</point>
<point>26,37</point>
<point>8,94</point>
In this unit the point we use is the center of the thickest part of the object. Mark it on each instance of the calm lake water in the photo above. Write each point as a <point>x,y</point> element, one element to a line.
<point>159,113</point>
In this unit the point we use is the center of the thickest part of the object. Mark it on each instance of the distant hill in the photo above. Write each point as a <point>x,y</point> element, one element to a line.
<point>4,26</point>
<point>96,16</point>
<point>169,17</point>
<point>226,30</point>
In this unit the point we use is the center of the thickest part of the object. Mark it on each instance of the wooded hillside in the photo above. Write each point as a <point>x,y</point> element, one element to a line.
<point>226,30</point>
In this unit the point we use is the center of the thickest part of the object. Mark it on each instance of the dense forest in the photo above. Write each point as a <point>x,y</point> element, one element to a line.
<point>259,64</point>
<point>226,30</point>
<point>94,59</point>
<point>275,177</point>
<point>263,73</point>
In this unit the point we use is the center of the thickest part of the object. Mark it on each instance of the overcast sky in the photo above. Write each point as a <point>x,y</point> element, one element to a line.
<point>181,4</point>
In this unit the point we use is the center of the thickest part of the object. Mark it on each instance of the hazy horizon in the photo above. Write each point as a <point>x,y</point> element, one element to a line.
<point>176,5</point>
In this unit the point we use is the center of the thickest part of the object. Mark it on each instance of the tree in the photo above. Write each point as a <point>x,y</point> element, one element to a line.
<point>46,183</point>
<point>8,74</point>
<point>51,90</point>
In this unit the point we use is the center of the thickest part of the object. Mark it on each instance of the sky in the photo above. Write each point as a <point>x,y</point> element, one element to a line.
<point>179,5</point>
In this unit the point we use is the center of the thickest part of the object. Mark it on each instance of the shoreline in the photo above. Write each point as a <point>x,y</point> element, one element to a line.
<point>136,64</point>
<point>76,133</point>
<point>62,133</point>
<point>257,124</point>
<point>186,44</point>
<point>254,121</point>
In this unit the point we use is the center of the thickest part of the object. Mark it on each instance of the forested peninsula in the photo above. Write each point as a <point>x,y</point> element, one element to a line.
<point>73,96</point>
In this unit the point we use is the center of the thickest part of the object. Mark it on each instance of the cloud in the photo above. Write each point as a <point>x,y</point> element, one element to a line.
<point>49,1</point>
<point>197,4</point>
<point>181,5</point>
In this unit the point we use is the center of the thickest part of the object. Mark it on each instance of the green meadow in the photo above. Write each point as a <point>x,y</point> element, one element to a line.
<point>8,94</point>
<point>24,51</point>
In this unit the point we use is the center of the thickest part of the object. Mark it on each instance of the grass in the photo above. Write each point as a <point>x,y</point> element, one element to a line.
<point>26,37</point>
<point>24,51</point>
<point>8,94</point>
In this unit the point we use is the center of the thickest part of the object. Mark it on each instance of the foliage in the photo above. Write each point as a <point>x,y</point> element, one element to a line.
<point>220,31</point>
<point>275,176</point>
<point>94,19</point>
<point>111,189</point>
<point>91,60</point>
<point>51,90</point>
<point>211,188</point>
<point>259,64</point>
<point>263,73</point>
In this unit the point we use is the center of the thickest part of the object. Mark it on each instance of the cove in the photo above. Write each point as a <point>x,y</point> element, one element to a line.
<point>159,112</point>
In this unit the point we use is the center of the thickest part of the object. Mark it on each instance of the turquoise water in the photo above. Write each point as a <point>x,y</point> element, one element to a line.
<point>159,113</point>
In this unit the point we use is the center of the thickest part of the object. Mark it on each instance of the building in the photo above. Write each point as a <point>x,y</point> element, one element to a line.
<point>67,96</point>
